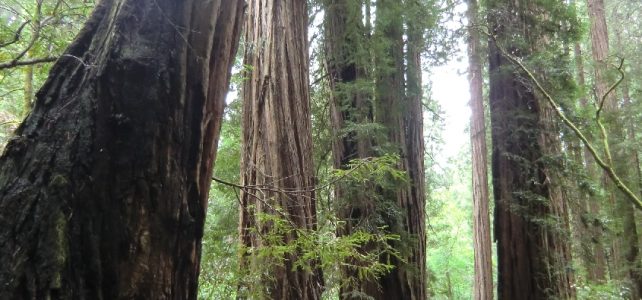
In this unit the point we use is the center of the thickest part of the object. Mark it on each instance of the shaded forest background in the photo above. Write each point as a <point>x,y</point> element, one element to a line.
<point>555,40</point>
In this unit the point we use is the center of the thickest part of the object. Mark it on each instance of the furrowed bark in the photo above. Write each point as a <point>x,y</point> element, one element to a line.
<point>103,190</point>
<point>483,285</point>
<point>277,150</point>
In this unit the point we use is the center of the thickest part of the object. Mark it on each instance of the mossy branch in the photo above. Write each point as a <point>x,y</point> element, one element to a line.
<point>605,163</point>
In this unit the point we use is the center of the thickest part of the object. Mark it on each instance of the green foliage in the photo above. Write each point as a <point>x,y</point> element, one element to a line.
<point>46,31</point>
<point>219,262</point>
<point>613,290</point>
<point>32,30</point>
<point>449,230</point>
<point>219,275</point>
<point>369,185</point>
<point>333,254</point>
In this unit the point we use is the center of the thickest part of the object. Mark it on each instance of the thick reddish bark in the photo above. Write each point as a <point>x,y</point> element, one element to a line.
<point>531,218</point>
<point>104,187</point>
<point>414,272</point>
<point>483,286</point>
<point>277,151</point>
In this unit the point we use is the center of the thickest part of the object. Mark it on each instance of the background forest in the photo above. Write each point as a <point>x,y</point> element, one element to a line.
<point>545,70</point>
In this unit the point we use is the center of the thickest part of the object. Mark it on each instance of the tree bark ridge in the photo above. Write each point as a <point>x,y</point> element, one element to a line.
<point>104,187</point>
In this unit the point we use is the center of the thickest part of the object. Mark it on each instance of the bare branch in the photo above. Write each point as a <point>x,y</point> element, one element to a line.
<point>16,36</point>
<point>611,89</point>
<point>35,35</point>
<point>35,61</point>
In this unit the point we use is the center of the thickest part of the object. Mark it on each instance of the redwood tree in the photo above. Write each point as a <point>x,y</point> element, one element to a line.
<point>483,285</point>
<point>105,184</point>
<point>277,152</point>
<point>531,218</point>
<point>393,105</point>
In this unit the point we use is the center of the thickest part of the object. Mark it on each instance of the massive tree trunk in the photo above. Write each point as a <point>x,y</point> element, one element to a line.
<point>400,113</point>
<point>277,152</point>
<point>483,285</point>
<point>104,187</point>
<point>351,109</point>
<point>531,223</point>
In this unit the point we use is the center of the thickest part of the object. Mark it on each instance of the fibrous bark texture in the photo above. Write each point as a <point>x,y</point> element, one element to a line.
<point>414,273</point>
<point>483,285</point>
<point>277,151</point>
<point>103,190</point>
<point>531,218</point>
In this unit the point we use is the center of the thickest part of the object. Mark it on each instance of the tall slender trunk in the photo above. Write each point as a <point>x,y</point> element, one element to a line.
<point>350,101</point>
<point>626,260</point>
<point>105,186</point>
<point>350,105</point>
<point>594,256</point>
<point>28,90</point>
<point>600,52</point>
<point>483,286</point>
<point>391,105</point>
<point>627,153</point>
<point>277,153</point>
<point>413,206</point>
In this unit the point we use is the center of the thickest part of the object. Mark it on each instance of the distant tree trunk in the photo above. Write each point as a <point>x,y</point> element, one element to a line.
<point>105,185</point>
<point>277,149</point>
<point>483,286</point>
<point>594,256</point>
<point>600,51</point>
<point>625,154</point>
<point>403,137</point>
<point>28,90</point>
<point>531,217</point>
<point>625,249</point>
